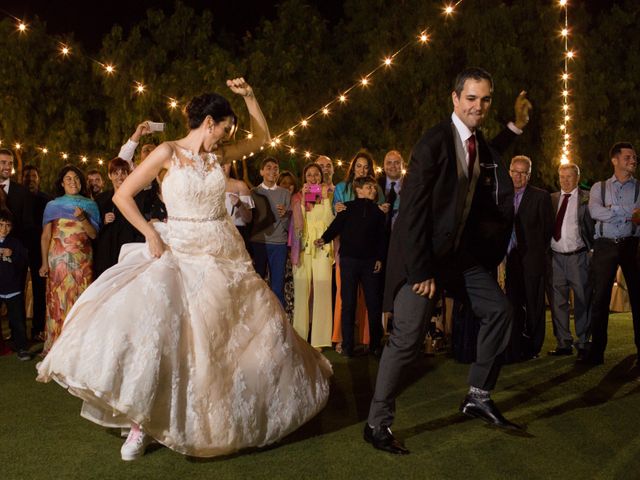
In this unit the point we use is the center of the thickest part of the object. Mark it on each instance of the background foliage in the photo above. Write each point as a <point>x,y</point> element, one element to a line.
<point>299,61</point>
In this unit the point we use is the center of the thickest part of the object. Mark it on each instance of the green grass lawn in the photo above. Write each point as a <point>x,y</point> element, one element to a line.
<point>580,424</point>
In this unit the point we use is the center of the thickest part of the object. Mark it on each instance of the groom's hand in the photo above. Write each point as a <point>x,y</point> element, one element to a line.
<point>522,110</point>
<point>426,288</point>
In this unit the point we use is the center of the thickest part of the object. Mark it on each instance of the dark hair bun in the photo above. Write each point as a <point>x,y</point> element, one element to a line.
<point>208,104</point>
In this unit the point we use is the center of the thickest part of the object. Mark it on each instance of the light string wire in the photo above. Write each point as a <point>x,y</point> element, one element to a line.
<point>278,141</point>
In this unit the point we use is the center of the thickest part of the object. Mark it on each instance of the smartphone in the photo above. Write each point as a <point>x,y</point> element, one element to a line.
<point>314,192</point>
<point>156,126</point>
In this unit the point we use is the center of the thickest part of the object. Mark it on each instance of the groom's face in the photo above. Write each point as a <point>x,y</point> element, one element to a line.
<point>472,106</point>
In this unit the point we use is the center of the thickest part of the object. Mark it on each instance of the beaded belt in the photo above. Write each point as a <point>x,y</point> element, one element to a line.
<point>196,220</point>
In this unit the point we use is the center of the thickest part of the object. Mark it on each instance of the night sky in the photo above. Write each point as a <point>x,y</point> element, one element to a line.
<point>90,20</point>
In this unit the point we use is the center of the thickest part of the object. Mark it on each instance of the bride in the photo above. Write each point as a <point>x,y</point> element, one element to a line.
<point>181,340</point>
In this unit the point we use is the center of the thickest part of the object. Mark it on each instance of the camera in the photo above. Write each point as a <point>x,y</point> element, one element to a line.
<point>156,126</point>
<point>314,193</point>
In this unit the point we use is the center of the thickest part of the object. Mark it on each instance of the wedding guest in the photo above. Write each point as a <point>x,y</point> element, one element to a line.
<point>361,165</point>
<point>71,221</point>
<point>528,262</point>
<point>239,203</point>
<point>13,272</point>
<point>288,181</point>
<point>570,245</point>
<point>361,227</point>
<point>116,230</point>
<point>614,204</point>
<point>269,232</point>
<point>39,200</point>
<point>95,183</point>
<point>312,214</point>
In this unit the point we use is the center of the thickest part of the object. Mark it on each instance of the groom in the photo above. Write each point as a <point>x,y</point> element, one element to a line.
<point>452,230</point>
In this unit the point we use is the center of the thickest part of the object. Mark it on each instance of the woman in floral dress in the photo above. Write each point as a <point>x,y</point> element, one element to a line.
<point>70,223</point>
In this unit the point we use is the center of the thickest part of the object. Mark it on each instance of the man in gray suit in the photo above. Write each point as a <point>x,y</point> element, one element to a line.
<point>570,245</point>
<point>453,227</point>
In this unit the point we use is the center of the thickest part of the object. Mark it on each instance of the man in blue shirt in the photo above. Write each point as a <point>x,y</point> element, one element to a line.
<point>613,204</point>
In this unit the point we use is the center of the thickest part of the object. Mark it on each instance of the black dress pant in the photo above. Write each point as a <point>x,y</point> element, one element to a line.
<point>17,321</point>
<point>355,271</point>
<point>607,256</point>
<point>526,294</point>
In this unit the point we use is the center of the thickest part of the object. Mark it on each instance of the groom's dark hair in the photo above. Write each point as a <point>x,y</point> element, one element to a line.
<point>474,73</point>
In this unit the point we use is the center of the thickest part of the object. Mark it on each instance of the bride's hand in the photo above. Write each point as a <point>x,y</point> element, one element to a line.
<point>156,245</point>
<point>239,86</point>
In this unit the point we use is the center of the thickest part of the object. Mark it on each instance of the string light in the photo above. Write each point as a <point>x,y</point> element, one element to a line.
<point>568,55</point>
<point>45,150</point>
<point>84,159</point>
<point>64,156</point>
<point>18,146</point>
<point>365,80</point>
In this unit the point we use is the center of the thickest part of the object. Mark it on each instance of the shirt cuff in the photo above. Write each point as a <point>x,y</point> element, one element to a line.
<point>514,129</point>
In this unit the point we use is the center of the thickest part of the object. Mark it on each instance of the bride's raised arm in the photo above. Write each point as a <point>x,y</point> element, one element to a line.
<point>259,127</point>
<point>142,176</point>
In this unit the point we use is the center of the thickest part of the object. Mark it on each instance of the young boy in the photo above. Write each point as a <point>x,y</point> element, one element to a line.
<point>362,250</point>
<point>13,273</point>
<point>270,231</point>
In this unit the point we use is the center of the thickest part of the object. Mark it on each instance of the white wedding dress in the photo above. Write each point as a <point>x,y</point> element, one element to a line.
<point>192,346</point>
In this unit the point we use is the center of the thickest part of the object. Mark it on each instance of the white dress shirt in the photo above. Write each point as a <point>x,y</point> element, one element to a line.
<point>570,239</point>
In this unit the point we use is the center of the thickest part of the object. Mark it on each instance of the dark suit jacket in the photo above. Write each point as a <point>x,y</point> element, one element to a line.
<point>585,222</point>
<point>423,239</point>
<point>20,204</point>
<point>534,224</point>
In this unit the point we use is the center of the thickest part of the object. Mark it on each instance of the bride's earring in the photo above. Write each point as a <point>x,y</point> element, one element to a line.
<point>210,130</point>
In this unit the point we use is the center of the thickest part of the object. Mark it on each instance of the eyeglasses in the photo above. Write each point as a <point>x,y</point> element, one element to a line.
<point>518,173</point>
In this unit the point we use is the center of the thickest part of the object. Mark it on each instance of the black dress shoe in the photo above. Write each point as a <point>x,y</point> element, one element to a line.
<point>582,354</point>
<point>382,439</point>
<point>559,352</point>
<point>485,410</point>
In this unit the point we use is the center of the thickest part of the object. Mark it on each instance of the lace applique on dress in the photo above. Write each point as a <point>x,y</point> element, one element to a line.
<point>203,166</point>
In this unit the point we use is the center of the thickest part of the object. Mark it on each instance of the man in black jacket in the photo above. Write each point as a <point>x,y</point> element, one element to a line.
<point>528,262</point>
<point>453,227</point>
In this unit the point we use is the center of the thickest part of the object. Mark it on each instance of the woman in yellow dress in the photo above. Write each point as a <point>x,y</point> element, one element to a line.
<point>312,214</point>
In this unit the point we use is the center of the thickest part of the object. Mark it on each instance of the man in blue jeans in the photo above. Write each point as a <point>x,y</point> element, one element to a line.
<point>271,227</point>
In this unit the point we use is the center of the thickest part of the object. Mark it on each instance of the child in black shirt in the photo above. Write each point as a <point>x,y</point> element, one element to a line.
<point>13,273</point>
<point>362,250</point>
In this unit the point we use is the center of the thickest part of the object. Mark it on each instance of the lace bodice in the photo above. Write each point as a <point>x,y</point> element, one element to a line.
<point>194,189</point>
<point>198,222</point>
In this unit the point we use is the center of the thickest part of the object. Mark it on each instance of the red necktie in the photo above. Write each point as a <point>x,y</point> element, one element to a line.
<point>471,148</point>
<point>557,232</point>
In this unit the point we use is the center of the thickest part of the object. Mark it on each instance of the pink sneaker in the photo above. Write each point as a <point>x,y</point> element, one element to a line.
<point>135,445</point>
